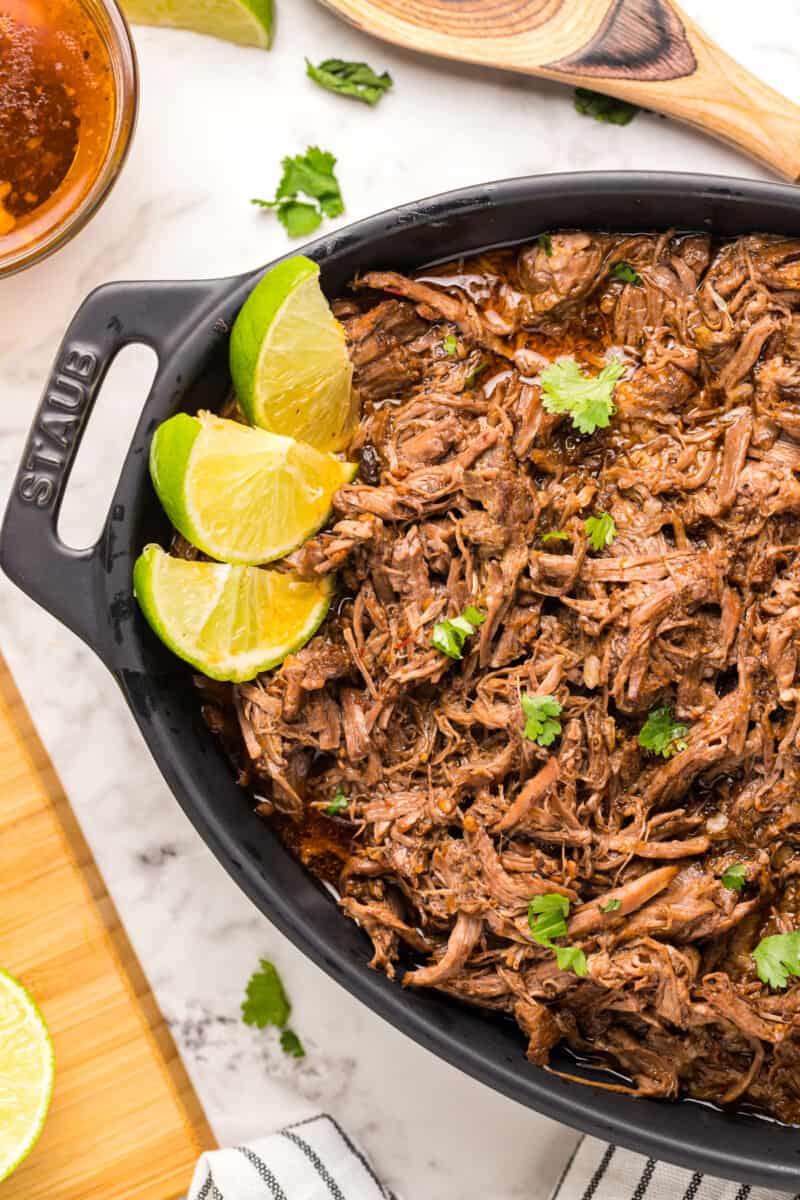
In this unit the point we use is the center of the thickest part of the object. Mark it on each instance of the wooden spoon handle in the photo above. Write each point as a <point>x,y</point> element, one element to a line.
<point>645,51</point>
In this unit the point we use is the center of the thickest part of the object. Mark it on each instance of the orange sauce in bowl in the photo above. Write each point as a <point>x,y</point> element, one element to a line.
<point>57,109</point>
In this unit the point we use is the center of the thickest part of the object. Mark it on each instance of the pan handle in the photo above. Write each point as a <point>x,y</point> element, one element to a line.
<point>55,575</point>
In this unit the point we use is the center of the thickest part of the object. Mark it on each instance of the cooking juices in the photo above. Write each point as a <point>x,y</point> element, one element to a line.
<point>59,115</point>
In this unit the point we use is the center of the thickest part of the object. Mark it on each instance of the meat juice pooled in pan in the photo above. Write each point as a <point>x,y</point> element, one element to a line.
<point>605,879</point>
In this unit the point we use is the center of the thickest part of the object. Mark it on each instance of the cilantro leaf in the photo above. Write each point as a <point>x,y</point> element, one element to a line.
<point>661,734</point>
<point>625,272</point>
<point>571,958</point>
<point>587,399</point>
<point>556,535</point>
<point>546,242</point>
<point>604,108</point>
<point>600,530</point>
<point>310,175</point>
<point>356,79</point>
<point>777,958</point>
<point>547,920</point>
<point>546,917</point>
<point>611,905</point>
<point>450,635</point>
<point>735,877</point>
<point>450,344</point>
<point>338,804</point>
<point>298,219</point>
<point>291,1044</point>
<point>265,1000</point>
<point>540,725</point>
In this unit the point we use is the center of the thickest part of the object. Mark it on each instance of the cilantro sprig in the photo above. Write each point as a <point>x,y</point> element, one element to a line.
<point>338,804</point>
<point>735,877</point>
<point>777,958</point>
<point>604,108</point>
<point>661,734</point>
<point>450,635</point>
<point>450,344</point>
<point>555,535</point>
<point>600,530</point>
<point>541,725</point>
<point>611,905</point>
<point>354,79</point>
<point>266,1003</point>
<point>625,272</point>
<point>547,920</point>
<point>546,242</point>
<point>310,175</point>
<point>588,399</point>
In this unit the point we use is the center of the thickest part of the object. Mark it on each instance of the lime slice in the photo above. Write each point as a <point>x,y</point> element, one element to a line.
<point>246,22</point>
<point>27,1068</point>
<point>239,494</point>
<point>229,622</point>
<point>289,359</point>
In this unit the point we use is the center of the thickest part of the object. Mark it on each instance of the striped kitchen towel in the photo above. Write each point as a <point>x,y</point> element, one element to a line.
<point>316,1160</point>
<point>312,1160</point>
<point>598,1171</point>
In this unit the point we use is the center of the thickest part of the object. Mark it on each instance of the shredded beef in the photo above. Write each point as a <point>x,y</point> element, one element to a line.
<point>454,820</point>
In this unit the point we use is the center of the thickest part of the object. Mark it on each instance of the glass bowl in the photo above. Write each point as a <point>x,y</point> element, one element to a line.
<point>88,179</point>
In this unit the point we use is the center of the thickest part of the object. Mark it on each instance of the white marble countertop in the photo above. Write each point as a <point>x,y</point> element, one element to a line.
<point>215,121</point>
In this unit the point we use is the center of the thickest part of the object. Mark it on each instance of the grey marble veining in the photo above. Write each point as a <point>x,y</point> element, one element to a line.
<point>215,122</point>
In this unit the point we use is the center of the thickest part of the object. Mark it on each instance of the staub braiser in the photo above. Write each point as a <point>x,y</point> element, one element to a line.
<point>90,591</point>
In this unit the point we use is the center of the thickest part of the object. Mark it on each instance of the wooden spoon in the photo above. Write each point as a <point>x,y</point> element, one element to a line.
<point>645,51</point>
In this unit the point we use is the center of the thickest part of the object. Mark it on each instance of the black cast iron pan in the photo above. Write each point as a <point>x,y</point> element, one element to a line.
<point>90,591</point>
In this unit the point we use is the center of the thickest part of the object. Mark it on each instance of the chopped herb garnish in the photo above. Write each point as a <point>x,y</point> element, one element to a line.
<point>611,905</point>
<point>588,399</point>
<point>604,108</point>
<point>338,804</point>
<point>541,725</point>
<point>473,375</point>
<point>546,242</point>
<point>265,1000</point>
<point>571,958</point>
<point>450,344</point>
<point>547,917</point>
<point>600,530</point>
<point>291,1044</point>
<point>547,920</point>
<point>310,175</point>
<point>735,877</point>
<point>661,734</point>
<point>625,272</point>
<point>777,958</point>
<point>450,635</point>
<point>354,79</point>
<point>556,535</point>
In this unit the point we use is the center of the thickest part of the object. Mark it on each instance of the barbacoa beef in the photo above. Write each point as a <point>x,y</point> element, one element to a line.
<point>454,821</point>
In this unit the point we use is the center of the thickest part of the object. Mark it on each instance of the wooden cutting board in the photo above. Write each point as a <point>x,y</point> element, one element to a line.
<point>125,1123</point>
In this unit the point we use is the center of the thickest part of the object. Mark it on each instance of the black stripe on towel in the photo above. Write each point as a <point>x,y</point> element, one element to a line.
<point>216,1194</point>
<point>203,1194</point>
<point>644,1182</point>
<point>353,1148</point>
<point>317,1163</point>
<point>694,1186</point>
<point>264,1171</point>
<point>594,1182</point>
<point>560,1183</point>
<point>743,1192</point>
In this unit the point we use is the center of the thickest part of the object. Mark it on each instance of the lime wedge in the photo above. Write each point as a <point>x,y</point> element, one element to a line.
<point>27,1068</point>
<point>246,22</point>
<point>239,494</point>
<point>289,359</point>
<point>229,622</point>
